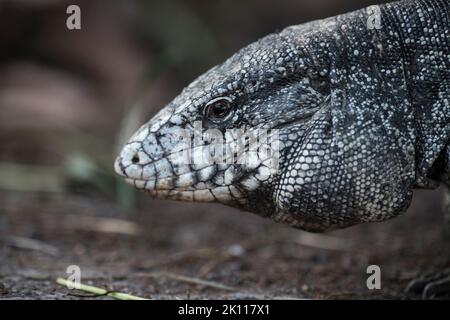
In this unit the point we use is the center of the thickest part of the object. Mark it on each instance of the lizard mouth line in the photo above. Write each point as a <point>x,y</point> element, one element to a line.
<point>142,184</point>
<point>158,185</point>
<point>133,181</point>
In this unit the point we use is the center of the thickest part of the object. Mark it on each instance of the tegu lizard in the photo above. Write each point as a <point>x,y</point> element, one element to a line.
<point>357,106</point>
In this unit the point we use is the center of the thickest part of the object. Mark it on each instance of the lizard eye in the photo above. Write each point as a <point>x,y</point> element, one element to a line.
<point>218,109</point>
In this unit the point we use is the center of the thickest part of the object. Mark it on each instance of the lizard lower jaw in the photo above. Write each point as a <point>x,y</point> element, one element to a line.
<point>138,184</point>
<point>157,185</point>
<point>151,185</point>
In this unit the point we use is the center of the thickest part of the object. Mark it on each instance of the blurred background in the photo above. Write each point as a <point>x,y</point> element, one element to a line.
<point>70,98</point>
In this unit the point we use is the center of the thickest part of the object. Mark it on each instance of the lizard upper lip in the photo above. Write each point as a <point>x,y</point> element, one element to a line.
<point>148,184</point>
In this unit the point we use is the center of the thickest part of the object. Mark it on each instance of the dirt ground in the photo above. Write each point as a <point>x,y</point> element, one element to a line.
<point>174,250</point>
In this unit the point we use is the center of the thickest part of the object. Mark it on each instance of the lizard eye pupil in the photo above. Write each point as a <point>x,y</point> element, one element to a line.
<point>218,109</point>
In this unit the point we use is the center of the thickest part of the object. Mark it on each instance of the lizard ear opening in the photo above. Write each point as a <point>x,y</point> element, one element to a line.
<point>321,85</point>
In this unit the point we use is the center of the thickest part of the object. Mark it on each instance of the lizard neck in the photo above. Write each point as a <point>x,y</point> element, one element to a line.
<point>421,28</point>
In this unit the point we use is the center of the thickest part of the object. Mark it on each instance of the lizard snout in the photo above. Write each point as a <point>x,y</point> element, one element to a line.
<point>146,164</point>
<point>118,168</point>
<point>130,162</point>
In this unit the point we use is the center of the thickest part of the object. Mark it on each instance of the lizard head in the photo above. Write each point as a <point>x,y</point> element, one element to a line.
<point>222,138</point>
<point>332,147</point>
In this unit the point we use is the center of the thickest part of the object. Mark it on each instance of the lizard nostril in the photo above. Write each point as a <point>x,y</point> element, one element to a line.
<point>135,159</point>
